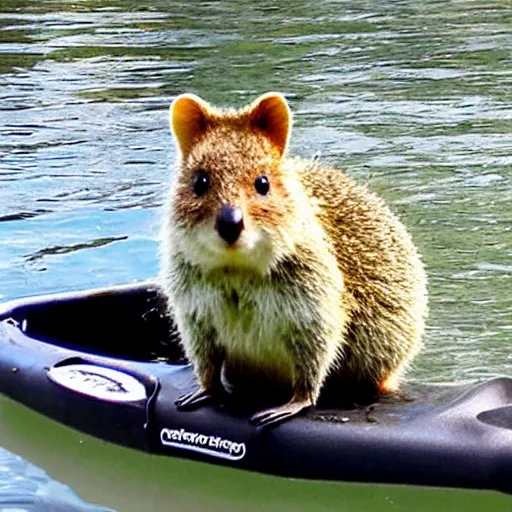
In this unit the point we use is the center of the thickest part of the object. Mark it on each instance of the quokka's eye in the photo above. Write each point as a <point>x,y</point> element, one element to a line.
<point>262,185</point>
<point>201,183</point>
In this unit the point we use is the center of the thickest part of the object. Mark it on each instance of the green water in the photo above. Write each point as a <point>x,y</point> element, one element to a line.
<point>412,97</point>
<point>131,481</point>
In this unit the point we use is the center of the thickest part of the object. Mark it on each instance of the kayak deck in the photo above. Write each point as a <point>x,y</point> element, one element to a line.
<point>108,362</point>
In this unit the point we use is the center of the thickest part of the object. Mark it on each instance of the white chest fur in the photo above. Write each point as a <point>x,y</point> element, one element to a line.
<point>252,319</point>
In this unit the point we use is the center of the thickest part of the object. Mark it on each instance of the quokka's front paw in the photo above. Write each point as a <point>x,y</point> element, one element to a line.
<point>276,415</point>
<point>197,399</point>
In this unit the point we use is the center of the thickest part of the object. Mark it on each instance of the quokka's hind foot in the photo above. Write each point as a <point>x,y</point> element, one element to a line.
<point>276,415</point>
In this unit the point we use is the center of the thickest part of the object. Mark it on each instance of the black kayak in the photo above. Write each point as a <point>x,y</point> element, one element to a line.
<point>109,363</point>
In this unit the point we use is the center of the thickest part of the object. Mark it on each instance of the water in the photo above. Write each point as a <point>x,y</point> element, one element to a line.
<point>412,97</point>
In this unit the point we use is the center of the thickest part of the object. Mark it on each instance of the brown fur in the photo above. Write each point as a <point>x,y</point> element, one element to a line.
<point>333,274</point>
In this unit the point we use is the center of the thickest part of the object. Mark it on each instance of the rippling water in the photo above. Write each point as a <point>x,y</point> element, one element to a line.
<point>412,97</point>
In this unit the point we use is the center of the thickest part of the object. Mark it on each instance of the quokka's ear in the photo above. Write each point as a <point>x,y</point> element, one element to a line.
<point>271,115</point>
<point>188,119</point>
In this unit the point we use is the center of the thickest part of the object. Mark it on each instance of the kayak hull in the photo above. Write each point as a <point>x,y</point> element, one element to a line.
<point>109,363</point>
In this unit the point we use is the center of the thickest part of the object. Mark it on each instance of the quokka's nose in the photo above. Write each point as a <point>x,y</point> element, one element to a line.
<point>230,223</point>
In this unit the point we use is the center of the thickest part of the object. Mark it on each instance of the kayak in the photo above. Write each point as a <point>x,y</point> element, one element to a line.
<point>108,362</point>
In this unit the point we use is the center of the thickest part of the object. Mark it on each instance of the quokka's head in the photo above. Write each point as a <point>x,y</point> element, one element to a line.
<point>233,203</point>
